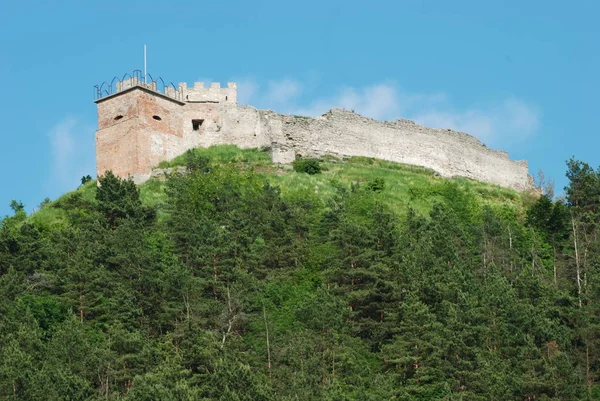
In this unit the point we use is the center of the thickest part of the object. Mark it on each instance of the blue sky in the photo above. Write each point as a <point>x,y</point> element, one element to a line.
<point>520,75</point>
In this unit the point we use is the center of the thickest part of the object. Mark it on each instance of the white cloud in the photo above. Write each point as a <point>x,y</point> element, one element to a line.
<point>379,101</point>
<point>470,121</point>
<point>247,90</point>
<point>282,92</point>
<point>500,124</point>
<point>503,124</point>
<point>72,147</point>
<point>522,116</point>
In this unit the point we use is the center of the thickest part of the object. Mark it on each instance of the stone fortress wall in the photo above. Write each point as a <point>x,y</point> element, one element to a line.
<point>138,127</point>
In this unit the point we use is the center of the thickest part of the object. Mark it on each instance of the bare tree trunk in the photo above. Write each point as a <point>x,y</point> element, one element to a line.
<point>81,302</point>
<point>215,276</point>
<point>107,382</point>
<point>533,256</point>
<point>554,264</point>
<point>186,302</point>
<point>230,318</point>
<point>485,250</point>
<point>268,344</point>
<point>333,362</point>
<point>510,246</point>
<point>585,258</point>
<point>587,366</point>
<point>577,262</point>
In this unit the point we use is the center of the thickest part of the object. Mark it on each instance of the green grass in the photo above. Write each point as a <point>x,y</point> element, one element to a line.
<point>49,215</point>
<point>405,185</point>
<point>88,191</point>
<point>152,193</point>
<point>225,154</point>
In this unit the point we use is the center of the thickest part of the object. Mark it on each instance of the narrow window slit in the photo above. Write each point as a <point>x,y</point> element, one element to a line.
<point>157,118</point>
<point>117,118</point>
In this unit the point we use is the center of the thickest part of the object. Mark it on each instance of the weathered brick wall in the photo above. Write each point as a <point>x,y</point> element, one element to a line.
<point>136,131</point>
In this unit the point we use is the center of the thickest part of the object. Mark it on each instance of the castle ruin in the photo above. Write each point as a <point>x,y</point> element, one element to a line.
<point>141,124</point>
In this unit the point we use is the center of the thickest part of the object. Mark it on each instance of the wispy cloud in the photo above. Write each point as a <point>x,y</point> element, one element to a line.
<point>72,147</point>
<point>282,93</point>
<point>506,123</point>
<point>502,123</point>
<point>247,90</point>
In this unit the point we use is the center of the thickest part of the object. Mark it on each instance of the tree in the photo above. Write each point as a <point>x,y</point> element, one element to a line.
<point>16,206</point>
<point>120,199</point>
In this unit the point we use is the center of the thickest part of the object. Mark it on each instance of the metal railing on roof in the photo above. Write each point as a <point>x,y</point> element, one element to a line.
<point>136,78</point>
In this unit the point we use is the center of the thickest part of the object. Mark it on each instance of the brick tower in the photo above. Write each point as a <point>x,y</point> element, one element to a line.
<point>140,124</point>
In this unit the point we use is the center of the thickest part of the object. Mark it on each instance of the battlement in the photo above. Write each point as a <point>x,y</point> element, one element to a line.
<point>198,93</point>
<point>212,94</point>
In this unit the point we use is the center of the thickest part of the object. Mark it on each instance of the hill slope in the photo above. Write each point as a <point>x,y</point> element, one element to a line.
<point>405,185</point>
<point>242,280</point>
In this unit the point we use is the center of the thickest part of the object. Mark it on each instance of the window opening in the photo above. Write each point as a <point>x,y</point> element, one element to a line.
<point>196,124</point>
<point>157,118</point>
<point>117,118</point>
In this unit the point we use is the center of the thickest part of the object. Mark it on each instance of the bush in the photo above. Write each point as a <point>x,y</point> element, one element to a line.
<point>376,185</point>
<point>85,179</point>
<point>308,166</point>
<point>196,162</point>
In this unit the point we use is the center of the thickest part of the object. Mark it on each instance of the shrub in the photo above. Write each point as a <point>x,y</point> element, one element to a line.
<point>376,185</point>
<point>196,162</point>
<point>85,179</point>
<point>44,203</point>
<point>17,206</point>
<point>308,166</point>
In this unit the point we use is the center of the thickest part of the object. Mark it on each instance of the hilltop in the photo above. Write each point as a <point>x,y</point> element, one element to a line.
<point>405,185</point>
<point>230,277</point>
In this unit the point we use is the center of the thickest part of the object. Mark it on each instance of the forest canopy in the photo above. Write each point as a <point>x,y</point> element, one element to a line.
<point>232,281</point>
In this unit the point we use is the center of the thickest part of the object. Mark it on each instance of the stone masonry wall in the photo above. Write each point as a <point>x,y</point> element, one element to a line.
<point>345,133</point>
<point>448,152</point>
<point>139,128</point>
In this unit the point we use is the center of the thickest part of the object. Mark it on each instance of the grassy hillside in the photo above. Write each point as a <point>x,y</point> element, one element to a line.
<point>405,185</point>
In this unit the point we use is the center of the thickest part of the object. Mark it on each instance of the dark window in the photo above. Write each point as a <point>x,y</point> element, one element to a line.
<point>196,124</point>
<point>157,118</point>
<point>117,118</point>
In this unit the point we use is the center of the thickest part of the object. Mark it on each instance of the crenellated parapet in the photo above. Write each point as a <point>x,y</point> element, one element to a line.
<point>211,94</point>
<point>198,93</point>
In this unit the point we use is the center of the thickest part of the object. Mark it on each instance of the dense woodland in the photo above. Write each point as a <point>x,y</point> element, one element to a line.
<point>230,290</point>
